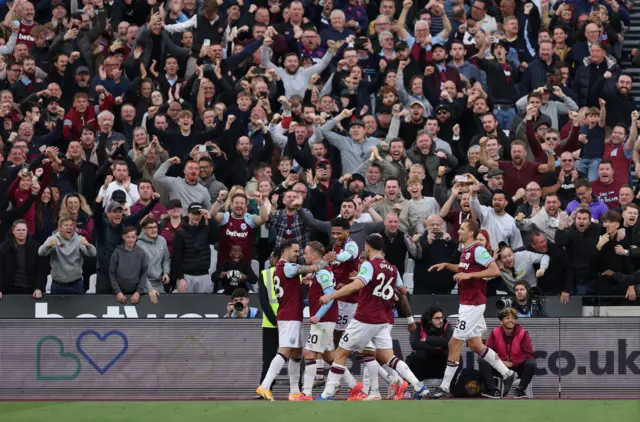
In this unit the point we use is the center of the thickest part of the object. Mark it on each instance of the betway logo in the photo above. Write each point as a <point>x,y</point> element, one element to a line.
<point>234,233</point>
<point>42,311</point>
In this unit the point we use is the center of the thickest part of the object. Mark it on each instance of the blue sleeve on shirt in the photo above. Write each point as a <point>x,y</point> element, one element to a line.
<point>324,308</point>
<point>366,272</point>
<point>291,269</point>
<point>482,256</point>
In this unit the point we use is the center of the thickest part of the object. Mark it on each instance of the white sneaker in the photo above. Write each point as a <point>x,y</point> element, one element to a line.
<point>374,396</point>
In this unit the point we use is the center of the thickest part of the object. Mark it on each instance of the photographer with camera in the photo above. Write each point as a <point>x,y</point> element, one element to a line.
<point>239,306</point>
<point>513,346</point>
<point>430,344</point>
<point>527,301</point>
<point>434,246</point>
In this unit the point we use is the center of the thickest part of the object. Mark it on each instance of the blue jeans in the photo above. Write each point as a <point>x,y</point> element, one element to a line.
<point>584,289</point>
<point>75,288</point>
<point>589,166</point>
<point>504,117</point>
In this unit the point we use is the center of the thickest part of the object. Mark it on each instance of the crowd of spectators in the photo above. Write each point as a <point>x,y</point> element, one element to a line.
<point>135,134</point>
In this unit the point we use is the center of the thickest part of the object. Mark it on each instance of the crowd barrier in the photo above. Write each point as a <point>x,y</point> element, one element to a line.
<point>214,306</point>
<point>100,359</point>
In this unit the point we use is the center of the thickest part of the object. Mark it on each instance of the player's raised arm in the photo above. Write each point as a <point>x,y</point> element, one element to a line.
<point>292,270</point>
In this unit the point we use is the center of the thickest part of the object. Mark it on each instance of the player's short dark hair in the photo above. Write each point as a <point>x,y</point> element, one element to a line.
<point>277,251</point>
<point>340,222</point>
<point>89,128</point>
<point>287,244</point>
<point>582,183</point>
<point>317,247</point>
<point>605,162</point>
<point>147,181</point>
<point>473,227</point>
<point>376,242</point>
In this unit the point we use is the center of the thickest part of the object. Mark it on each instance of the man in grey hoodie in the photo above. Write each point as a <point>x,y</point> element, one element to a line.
<point>157,253</point>
<point>67,250</point>
<point>128,268</point>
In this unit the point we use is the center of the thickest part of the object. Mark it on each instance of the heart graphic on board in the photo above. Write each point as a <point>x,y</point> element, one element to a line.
<point>102,337</point>
<point>65,355</point>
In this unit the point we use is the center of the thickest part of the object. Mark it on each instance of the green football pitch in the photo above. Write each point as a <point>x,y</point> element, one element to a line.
<point>338,411</point>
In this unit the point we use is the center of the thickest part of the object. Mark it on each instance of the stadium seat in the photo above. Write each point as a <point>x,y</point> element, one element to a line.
<point>498,382</point>
<point>455,290</point>
<point>47,289</point>
<point>92,284</point>
<point>411,264</point>
<point>267,265</point>
<point>408,281</point>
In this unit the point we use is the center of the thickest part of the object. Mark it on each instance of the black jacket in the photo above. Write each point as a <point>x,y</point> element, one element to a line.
<point>559,275</point>
<point>440,282</point>
<point>582,252</point>
<point>37,266</point>
<point>191,253</point>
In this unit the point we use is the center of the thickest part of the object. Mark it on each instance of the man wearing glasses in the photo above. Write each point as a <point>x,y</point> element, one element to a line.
<point>561,182</point>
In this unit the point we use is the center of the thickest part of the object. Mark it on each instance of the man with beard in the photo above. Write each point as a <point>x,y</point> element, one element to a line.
<point>430,345</point>
<point>558,277</point>
<point>395,154</point>
<point>547,221</point>
<point>536,73</point>
<point>518,171</point>
<point>186,189</point>
<point>500,225</point>
<point>620,150</point>
<point>376,171</point>
<point>620,101</point>
<point>121,180</point>
<point>238,227</point>
<point>358,231</point>
<point>436,76</point>
<point>492,131</point>
<point>208,179</point>
<point>28,82</point>
<point>27,13</point>
<point>108,234</point>
<point>587,81</point>
<point>294,77</point>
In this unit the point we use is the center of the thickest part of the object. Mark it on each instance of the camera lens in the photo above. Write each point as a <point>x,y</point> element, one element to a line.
<point>238,306</point>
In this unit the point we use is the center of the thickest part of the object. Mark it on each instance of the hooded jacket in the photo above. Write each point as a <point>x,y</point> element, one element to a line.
<point>158,255</point>
<point>128,270</point>
<point>66,257</point>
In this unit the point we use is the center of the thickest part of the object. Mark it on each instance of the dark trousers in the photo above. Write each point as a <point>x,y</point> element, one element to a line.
<point>75,288</point>
<point>88,269</point>
<point>427,366</point>
<point>270,344</point>
<point>525,372</point>
<point>103,284</point>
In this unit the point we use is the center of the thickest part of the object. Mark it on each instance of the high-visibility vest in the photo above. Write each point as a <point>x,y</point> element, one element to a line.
<point>267,282</point>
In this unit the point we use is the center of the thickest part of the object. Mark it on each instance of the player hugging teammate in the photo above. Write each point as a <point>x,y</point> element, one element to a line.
<point>375,284</point>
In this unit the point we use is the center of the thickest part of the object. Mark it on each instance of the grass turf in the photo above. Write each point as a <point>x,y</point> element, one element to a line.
<point>455,411</point>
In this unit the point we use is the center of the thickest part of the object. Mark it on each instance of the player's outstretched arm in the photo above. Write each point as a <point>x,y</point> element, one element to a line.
<point>444,266</point>
<point>350,288</point>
